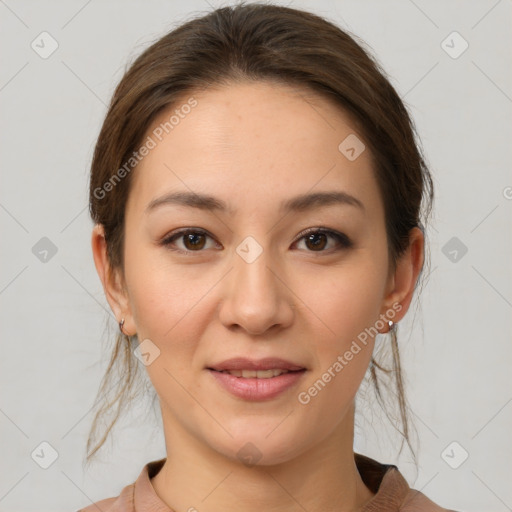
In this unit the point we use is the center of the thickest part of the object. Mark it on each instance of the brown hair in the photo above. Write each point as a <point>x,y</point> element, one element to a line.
<point>253,42</point>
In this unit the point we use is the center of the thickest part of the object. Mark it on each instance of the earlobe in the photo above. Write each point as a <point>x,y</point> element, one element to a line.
<point>110,278</point>
<point>405,277</point>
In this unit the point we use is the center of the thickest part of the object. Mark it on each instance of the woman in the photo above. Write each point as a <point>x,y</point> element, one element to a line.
<point>257,196</point>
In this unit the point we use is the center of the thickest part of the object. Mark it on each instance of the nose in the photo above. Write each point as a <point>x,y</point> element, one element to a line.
<point>255,297</point>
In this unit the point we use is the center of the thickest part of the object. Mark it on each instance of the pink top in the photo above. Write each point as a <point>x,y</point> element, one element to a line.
<point>392,493</point>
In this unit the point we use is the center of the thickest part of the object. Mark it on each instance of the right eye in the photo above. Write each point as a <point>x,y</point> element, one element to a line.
<point>193,240</point>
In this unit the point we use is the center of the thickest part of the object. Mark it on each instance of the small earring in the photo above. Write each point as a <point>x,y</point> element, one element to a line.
<point>391,325</point>
<point>121,323</point>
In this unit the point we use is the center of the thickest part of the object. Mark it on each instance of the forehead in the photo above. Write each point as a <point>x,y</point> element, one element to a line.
<point>257,140</point>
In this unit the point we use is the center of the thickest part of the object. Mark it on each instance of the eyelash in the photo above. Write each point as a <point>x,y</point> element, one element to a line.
<point>342,239</point>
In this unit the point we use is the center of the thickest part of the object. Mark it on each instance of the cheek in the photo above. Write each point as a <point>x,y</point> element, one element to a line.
<point>344,305</point>
<point>342,353</point>
<point>158,297</point>
<point>346,301</point>
<point>168,306</point>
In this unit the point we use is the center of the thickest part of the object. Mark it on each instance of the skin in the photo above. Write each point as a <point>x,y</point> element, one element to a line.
<point>254,145</point>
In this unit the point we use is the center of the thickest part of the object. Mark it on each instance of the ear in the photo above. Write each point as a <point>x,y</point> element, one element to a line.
<point>112,280</point>
<point>402,282</point>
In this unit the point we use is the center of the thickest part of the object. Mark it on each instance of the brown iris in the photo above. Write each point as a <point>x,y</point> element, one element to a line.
<point>196,240</point>
<point>313,237</point>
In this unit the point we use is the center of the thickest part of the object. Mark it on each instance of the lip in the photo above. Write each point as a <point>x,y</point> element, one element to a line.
<point>254,389</point>
<point>243,363</point>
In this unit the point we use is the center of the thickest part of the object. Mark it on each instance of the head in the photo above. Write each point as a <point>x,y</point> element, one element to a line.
<point>257,106</point>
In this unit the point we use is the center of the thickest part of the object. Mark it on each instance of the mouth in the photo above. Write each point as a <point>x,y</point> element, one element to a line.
<point>256,374</point>
<point>257,380</point>
<point>244,364</point>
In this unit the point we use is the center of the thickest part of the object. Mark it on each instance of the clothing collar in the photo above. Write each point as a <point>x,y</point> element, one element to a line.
<point>384,480</point>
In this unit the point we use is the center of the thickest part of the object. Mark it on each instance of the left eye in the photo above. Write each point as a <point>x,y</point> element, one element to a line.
<point>194,240</point>
<point>316,238</point>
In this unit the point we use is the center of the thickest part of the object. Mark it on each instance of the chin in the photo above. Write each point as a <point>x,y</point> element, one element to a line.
<point>255,447</point>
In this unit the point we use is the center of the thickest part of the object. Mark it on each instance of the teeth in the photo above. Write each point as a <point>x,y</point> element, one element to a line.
<point>258,374</point>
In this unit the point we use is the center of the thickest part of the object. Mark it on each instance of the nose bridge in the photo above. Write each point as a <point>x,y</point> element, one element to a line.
<point>255,298</point>
<point>252,275</point>
<point>252,267</point>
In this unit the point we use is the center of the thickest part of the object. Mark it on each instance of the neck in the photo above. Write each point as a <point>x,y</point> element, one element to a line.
<point>323,478</point>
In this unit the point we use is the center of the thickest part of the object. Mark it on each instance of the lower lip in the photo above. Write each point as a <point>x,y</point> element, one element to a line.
<point>257,389</point>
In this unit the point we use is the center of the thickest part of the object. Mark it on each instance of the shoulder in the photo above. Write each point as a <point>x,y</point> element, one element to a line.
<point>121,503</point>
<point>139,495</point>
<point>391,490</point>
<point>103,505</point>
<point>416,501</point>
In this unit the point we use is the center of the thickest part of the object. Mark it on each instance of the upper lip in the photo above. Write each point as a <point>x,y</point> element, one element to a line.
<point>269,363</point>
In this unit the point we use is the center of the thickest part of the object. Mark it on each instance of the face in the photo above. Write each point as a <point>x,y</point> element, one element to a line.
<point>267,277</point>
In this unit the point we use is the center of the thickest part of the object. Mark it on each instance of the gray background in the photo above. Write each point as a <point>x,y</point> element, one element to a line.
<point>457,355</point>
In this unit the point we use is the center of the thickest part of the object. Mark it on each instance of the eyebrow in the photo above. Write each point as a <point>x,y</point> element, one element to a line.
<point>299,203</point>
